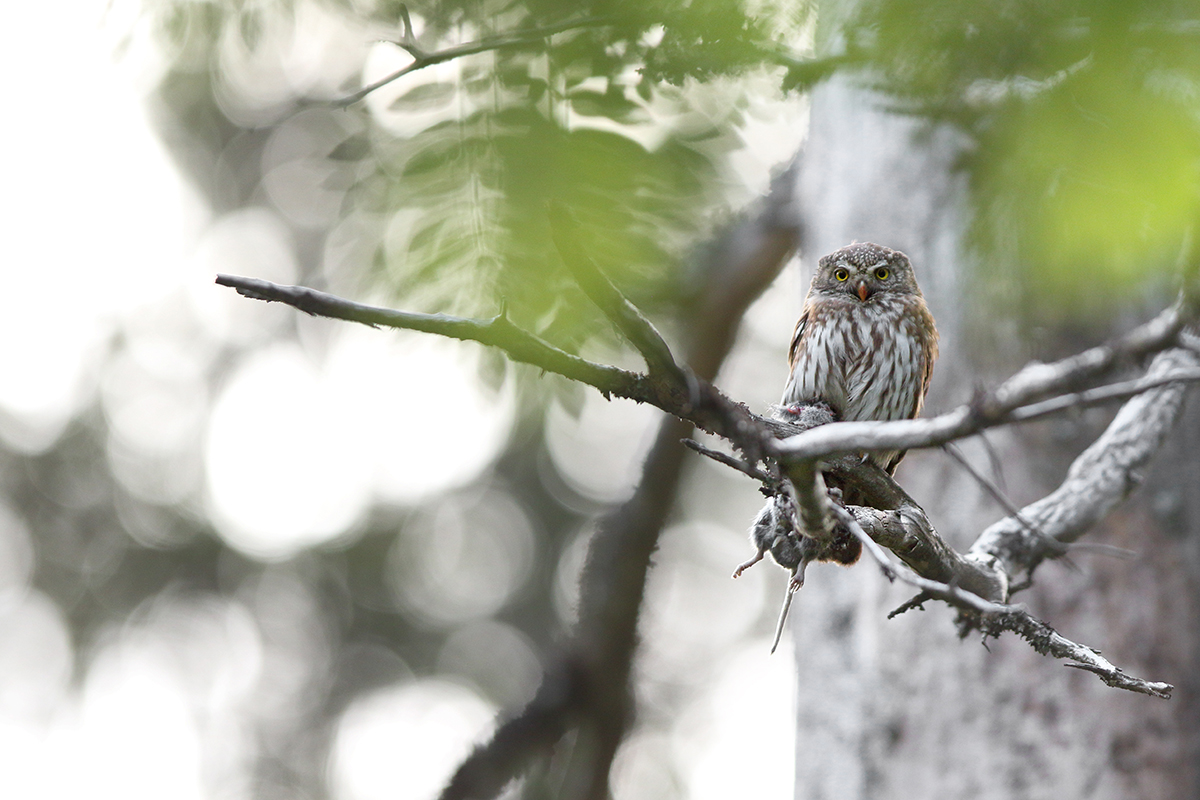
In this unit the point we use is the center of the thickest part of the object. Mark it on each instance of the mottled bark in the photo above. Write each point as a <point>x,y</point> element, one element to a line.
<point>900,708</point>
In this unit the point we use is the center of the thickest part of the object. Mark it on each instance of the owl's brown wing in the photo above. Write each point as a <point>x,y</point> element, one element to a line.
<point>797,336</point>
<point>928,336</point>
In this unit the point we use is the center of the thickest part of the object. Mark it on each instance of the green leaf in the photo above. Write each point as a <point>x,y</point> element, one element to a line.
<point>355,148</point>
<point>432,158</point>
<point>425,97</point>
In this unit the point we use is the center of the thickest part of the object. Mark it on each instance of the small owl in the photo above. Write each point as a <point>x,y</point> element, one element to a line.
<point>865,343</point>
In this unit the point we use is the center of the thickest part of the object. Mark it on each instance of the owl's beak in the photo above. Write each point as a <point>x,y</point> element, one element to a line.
<point>863,291</point>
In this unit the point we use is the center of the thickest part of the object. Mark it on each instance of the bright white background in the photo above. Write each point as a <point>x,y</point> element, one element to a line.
<point>105,239</point>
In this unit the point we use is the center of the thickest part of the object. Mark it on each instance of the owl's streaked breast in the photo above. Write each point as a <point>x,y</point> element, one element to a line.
<point>859,358</point>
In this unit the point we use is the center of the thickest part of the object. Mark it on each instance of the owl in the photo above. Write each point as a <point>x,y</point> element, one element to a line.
<point>865,343</point>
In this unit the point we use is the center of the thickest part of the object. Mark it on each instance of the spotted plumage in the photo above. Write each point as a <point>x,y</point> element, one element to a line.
<point>866,342</point>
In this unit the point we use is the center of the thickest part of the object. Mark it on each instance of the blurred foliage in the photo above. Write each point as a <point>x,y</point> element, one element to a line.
<point>454,165</point>
<point>1083,125</point>
<point>1079,124</point>
<point>1081,120</point>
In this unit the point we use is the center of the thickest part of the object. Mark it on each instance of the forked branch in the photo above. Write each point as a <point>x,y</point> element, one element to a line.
<point>979,579</point>
<point>977,582</point>
<point>995,618</point>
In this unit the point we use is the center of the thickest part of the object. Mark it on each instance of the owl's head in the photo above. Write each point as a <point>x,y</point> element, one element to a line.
<point>862,270</point>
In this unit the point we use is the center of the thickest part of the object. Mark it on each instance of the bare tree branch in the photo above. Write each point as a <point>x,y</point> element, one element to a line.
<point>1048,642</point>
<point>908,533</point>
<point>994,618</point>
<point>730,461</point>
<point>498,332</point>
<point>948,592</point>
<point>978,582</point>
<point>812,500</point>
<point>1099,478</point>
<point>906,530</point>
<point>990,410</point>
<point>1104,394</point>
<point>613,582</point>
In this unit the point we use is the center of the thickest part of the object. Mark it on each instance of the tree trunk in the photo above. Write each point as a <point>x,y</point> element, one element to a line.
<point>902,708</point>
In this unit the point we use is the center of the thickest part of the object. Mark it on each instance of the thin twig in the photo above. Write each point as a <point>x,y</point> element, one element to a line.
<point>408,40</point>
<point>1100,549</point>
<point>731,461</point>
<point>422,59</point>
<point>1103,394</point>
<point>916,601</point>
<point>988,486</point>
<point>994,461</point>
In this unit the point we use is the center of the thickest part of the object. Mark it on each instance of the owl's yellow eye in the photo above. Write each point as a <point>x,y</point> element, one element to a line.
<point>841,274</point>
<point>882,273</point>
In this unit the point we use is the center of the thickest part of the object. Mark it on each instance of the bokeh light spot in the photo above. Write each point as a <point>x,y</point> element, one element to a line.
<point>460,561</point>
<point>285,469</point>
<point>297,448</point>
<point>35,656</point>
<point>754,693</point>
<point>693,610</point>
<point>403,743</point>
<point>429,423</point>
<point>496,657</point>
<point>91,167</point>
<point>600,452</point>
